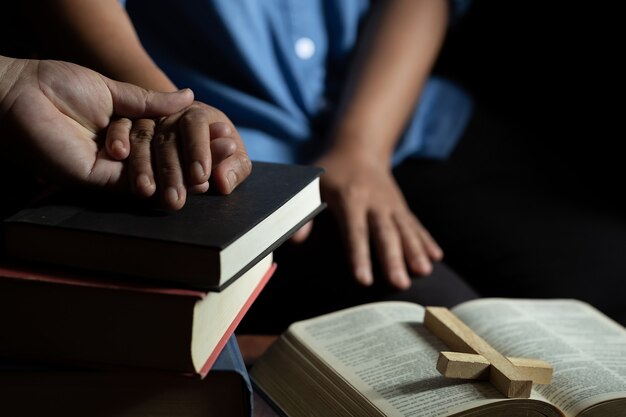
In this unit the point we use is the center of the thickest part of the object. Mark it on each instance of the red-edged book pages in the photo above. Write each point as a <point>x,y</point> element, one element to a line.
<point>63,317</point>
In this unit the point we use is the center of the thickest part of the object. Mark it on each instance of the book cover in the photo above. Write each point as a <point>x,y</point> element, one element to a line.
<point>61,317</point>
<point>29,389</point>
<point>206,245</point>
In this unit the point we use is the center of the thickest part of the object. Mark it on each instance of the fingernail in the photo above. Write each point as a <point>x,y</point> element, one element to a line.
<point>231,177</point>
<point>424,265</point>
<point>197,171</point>
<point>416,263</point>
<point>118,147</point>
<point>143,182</point>
<point>364,276</point>
<point>171,194</point>
<point>401,279</point>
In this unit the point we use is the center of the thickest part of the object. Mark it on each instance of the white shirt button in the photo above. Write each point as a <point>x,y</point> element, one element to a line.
<point>305,48</point>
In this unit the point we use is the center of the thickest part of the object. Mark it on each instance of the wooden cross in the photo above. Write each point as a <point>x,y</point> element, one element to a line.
<point>476,359</point>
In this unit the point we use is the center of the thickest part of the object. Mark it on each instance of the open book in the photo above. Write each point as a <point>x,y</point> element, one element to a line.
<point>379,360</point>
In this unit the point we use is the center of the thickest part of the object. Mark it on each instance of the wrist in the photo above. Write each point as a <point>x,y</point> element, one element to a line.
<point>362,147</point>
<point>353,153</point>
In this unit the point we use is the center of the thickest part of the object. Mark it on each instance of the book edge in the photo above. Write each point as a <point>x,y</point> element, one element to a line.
<point>206,367</point>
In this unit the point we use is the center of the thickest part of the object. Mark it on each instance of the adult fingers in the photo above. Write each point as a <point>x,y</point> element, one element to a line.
<point>389,248</point>
<point>232,171</point>
<point>195,129</point>
<point>231,166</point>
<point>117,141</point>
<point>170,176</point>
<point>198,189</point>
<point>221,130</point>
<point>223,144</point>
<point>132,101</point>
<point>221,149</point>
<point>140,170</point>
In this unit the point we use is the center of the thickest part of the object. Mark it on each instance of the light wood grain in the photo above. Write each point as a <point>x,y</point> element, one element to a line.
<point>458,336</point>
<point>472,366</point>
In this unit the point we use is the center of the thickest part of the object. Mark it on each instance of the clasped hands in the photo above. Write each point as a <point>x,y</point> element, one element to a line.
<point>72,125</point>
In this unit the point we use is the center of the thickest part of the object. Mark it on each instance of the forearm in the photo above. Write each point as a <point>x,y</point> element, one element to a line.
<point>394,60</point>
<point>100,35</point>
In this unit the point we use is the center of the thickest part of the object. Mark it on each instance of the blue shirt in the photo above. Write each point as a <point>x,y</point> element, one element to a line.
<point>277,68</point>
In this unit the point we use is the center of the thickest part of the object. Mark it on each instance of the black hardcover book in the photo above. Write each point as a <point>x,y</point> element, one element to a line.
<point>206,245</point>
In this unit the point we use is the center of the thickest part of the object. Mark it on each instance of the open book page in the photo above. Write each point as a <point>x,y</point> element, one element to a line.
<point>385,352</point>
<point>586,349</point>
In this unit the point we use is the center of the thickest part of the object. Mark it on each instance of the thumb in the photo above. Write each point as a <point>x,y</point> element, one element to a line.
<point>132,101</point>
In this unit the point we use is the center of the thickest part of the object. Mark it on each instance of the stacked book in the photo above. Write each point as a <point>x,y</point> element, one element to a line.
<point>109,308</point>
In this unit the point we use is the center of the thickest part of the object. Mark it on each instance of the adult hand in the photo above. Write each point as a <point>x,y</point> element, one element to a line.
<point>186,148</point>
<point>363,195</point>
<point>53,116</point>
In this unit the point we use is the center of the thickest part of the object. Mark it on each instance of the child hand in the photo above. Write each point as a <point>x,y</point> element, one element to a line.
<point>363,195</point>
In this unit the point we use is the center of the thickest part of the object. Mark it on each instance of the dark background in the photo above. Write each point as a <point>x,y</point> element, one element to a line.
<point>550,68</point>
